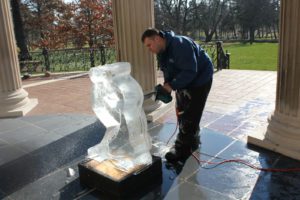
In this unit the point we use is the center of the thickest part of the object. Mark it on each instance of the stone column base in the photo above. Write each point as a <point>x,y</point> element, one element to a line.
<point>280,136</point>
<point>16,104</point>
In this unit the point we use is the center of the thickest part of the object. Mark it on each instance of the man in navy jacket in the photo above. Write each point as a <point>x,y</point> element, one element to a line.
<point>188,71</point>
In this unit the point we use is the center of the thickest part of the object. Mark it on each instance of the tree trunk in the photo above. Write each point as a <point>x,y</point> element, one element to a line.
<point>234,33</point>
<point>259,33</point>
<point>252,35</point>
<point>209,35</point>
<point>216,35</point>
<point>274,31</point>
<point>19,31</point>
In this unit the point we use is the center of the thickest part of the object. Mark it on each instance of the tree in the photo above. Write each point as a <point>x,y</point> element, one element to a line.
<point>213,14</point>
<point>229,22</point>
<point>250,15</point>
<point>42,17</point>
<point>271,16</point>
<point>186,16</point>
<point>19,31</point>
<point>173,14</point>
<point>93,24</point>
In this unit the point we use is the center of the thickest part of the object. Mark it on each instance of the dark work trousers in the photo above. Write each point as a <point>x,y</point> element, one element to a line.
<point>190,104</point>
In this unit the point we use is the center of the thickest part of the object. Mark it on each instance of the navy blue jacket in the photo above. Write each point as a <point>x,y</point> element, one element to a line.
<point>184,63</point>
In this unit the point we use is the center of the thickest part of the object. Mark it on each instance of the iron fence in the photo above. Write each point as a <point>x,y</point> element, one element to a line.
<point>219,57</point>
<point>73,59</point>
<point>85,58</point>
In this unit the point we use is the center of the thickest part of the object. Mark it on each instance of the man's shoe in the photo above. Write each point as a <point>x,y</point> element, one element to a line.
<point>178,154</point>
<point>175,167</point>
<point>184,146</point>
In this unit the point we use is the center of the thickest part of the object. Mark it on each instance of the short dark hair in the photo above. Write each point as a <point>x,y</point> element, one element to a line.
<point>150,32</point>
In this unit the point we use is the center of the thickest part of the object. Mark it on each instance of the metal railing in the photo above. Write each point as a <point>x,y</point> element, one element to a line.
<point>85,58</point>
<point>219,57</point>
<point>73,59</point>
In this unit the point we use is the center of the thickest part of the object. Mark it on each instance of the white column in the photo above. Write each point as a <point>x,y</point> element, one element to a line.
<point>13,98</point>
<point>131,19</point>
<point>283,132</point>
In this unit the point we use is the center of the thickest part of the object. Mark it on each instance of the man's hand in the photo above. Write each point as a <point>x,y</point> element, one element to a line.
<point>167,87</point>
<point>162,94</point>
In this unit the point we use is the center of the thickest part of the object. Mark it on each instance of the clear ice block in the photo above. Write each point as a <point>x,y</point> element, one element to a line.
<point>117,101</point>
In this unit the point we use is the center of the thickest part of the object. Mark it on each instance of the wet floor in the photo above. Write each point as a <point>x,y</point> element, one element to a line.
<point>45,172</point>
<point>39,153</point>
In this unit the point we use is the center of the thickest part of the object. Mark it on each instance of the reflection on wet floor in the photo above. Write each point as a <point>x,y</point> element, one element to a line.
<point>43,165</point>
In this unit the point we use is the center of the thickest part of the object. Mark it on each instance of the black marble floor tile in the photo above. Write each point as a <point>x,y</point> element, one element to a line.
<point>225,124</point>
<point>62,183</point>
<point>271,186</point>
<point>20,172</point>
<point>279,185</point>
<point>2,195</point>
<point>40,118</point>
<point>242,131</point>
<point>187,169</point>
<point>38,142</point>
<point>32,166</point>
<point>286,162</point>
<point>209,117</point>
<point>233,179</point>
<point>3,143</point>
<point>11,124</point>
<point>164,132</point>
<point>170,178</point>
<point>54,123</point>
<point>76,121</point>
<point>194,192</point>
<point>9,153</point>
<point>22,134</point>
<point>213,142</point>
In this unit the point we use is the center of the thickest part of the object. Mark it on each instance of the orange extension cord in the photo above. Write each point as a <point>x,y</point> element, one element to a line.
<point>216,164</point>
<point>244,163</point>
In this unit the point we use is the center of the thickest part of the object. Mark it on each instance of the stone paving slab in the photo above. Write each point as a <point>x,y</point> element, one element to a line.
<point>27,134</point>
<point>239,103</point>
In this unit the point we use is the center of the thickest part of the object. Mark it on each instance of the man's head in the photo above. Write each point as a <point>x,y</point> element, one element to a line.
<point>154,41</point>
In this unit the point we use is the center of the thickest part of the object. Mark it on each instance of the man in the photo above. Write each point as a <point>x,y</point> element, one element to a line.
<point>188,70</point>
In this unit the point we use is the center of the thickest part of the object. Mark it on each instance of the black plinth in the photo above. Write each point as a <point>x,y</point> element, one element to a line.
<point>129,185</point>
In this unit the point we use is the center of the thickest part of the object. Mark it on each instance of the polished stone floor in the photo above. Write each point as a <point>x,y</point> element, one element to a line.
<point>47,169</point>
<point>39,153</point>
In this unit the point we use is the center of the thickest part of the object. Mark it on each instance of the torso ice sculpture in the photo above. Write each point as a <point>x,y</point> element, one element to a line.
<point>117,102</point>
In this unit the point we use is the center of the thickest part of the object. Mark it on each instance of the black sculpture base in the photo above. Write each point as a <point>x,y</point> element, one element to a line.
<point>111,181</point>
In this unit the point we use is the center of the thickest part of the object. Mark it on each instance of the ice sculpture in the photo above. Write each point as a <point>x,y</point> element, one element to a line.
<point>117,102</point>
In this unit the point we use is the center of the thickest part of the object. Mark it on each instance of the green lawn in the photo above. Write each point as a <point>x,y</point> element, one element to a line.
<point>258,56</point>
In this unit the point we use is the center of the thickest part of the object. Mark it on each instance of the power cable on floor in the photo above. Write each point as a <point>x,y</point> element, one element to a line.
<point>216,164</point>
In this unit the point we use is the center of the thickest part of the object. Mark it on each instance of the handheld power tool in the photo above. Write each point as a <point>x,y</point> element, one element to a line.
<point>160,94</point>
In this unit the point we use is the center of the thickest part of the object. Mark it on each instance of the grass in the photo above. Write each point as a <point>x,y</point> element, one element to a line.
<point>258,56</point>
